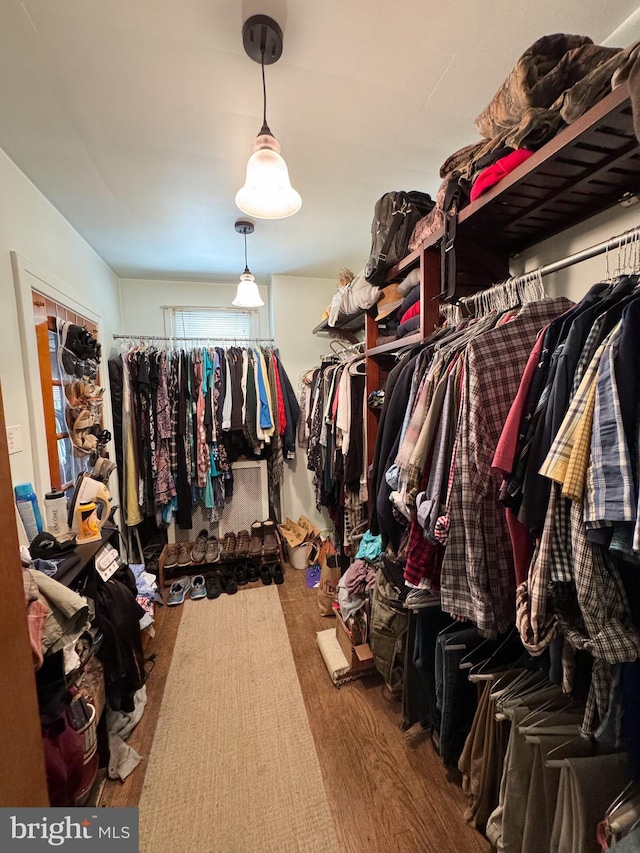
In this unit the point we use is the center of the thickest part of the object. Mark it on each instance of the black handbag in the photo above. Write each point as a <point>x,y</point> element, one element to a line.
<point>394,219</point>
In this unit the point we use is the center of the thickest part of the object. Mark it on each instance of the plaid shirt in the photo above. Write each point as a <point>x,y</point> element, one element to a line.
<point>576,473</point>
<point>478,575</point>
<point>588,352</point>
<point>555,465</point>
<point>449,350</point>
<point>424,560</point>
<point>605,629</point>
<point>610,486</point>
<point>536,625</point>
<point>413,429</point>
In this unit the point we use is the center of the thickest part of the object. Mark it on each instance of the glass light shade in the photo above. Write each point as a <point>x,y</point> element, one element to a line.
<point>267,192</point>
<point>247,295</point>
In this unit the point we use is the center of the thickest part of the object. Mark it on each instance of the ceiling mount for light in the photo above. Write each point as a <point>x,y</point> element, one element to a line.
<point>261,33</point>
<point>247,294</point>
<point>267,192</point>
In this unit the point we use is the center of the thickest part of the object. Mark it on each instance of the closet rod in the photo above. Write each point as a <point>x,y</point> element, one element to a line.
<point>584,255</point>
<point>192,338</point>
<point>627,237</point>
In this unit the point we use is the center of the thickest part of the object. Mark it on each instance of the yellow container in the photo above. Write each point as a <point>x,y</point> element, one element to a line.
<point>89,529</point>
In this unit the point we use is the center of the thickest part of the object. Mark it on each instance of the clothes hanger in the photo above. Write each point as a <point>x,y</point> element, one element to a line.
<point>555,722</point>
<point>528,681</point>
<point>545,699</point>
<point>630,791</point>
<point>623,815</point>
<point>504,656</point>
<point>534,702</point>
<point>510,699</point>
<point>580,746</point>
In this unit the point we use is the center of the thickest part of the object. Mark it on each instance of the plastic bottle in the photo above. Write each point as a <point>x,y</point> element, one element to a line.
<point>27,503</point>
<point>55,513</point>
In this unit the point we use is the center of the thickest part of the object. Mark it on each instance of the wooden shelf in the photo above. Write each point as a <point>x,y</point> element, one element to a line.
<point>585,169</point>
<point>410,261</point>
<point>408,340</point>
<point>347,328</point>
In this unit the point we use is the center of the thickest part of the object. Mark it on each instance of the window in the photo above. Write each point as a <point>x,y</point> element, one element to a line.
<point>64,467</point>
<point>212,323</point>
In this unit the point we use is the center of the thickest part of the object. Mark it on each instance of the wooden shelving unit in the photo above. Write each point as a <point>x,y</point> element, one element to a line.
<point>588,167</point>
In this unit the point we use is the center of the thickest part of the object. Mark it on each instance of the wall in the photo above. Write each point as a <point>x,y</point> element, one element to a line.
<point>142,302</point>
<point>32,227</point>
<point>574,281</point>
<point>297,305</point>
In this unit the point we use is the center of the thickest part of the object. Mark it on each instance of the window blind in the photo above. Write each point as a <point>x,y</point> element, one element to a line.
<point>212,323</point>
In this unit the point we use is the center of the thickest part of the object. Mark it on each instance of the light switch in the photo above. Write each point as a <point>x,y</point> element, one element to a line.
<point>14,438</point>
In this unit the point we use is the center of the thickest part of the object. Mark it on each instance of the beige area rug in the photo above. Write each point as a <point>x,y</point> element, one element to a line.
<point>233,768</point>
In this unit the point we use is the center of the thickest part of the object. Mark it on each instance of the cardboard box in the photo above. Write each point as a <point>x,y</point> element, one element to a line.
<point>359,657</point>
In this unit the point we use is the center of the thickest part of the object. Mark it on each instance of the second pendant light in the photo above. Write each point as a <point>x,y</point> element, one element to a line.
<point>247,294</point>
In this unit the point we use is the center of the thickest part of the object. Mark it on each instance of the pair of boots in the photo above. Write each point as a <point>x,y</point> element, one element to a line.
<point>263,542</point>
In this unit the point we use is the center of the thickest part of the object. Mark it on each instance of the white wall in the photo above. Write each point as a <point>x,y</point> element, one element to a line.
<point>574,282</point>
<point>32,227</point>
<point>142,302</point>
<point>298,305</point>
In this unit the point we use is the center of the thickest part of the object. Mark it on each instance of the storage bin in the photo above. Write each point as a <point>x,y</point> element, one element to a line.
<point>89,733</point>
<point>301,555</point>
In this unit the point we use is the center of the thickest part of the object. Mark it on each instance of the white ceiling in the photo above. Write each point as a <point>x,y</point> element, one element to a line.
<point>136,117</point>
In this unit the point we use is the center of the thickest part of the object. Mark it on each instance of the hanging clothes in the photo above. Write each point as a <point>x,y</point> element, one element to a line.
<point>186,416</point>
<point>332,398</point>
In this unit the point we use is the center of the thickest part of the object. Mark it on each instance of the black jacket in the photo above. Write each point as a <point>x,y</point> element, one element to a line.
<point>292,411</point>
<point>118,617</point>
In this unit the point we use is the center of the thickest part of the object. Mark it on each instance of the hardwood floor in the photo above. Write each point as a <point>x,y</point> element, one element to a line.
<point>385,797</point>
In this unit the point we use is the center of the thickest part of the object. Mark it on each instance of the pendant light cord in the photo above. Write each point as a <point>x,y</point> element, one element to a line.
<point>264,95</point>
<point>246,265</point>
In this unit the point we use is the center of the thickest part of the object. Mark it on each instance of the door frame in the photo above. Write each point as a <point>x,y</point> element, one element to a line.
<point>27,277</point>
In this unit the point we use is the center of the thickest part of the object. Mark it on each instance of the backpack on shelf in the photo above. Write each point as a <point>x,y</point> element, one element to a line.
<point>394,219</point>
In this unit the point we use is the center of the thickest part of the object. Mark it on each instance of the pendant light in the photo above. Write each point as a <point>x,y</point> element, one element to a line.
<point>267,192</point>
<point>247,294</point>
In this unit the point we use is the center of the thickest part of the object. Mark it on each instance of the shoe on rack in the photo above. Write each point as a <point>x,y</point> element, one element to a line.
<point>212,552</point>
<point>228,582</point>
<point>269,537</point>
<point>228,547</point>
<point>171,557</point>
<point>252,571</point>
<point>265,574</point>
<point>184,554</point>
<point>198,587</point>
<point>276,573</point>
<point>242,544</point>
<point>178,591</point>
<point>212,583</point>
<point>255,543</point>
<point>199,548</point>
<point>242,575</point>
